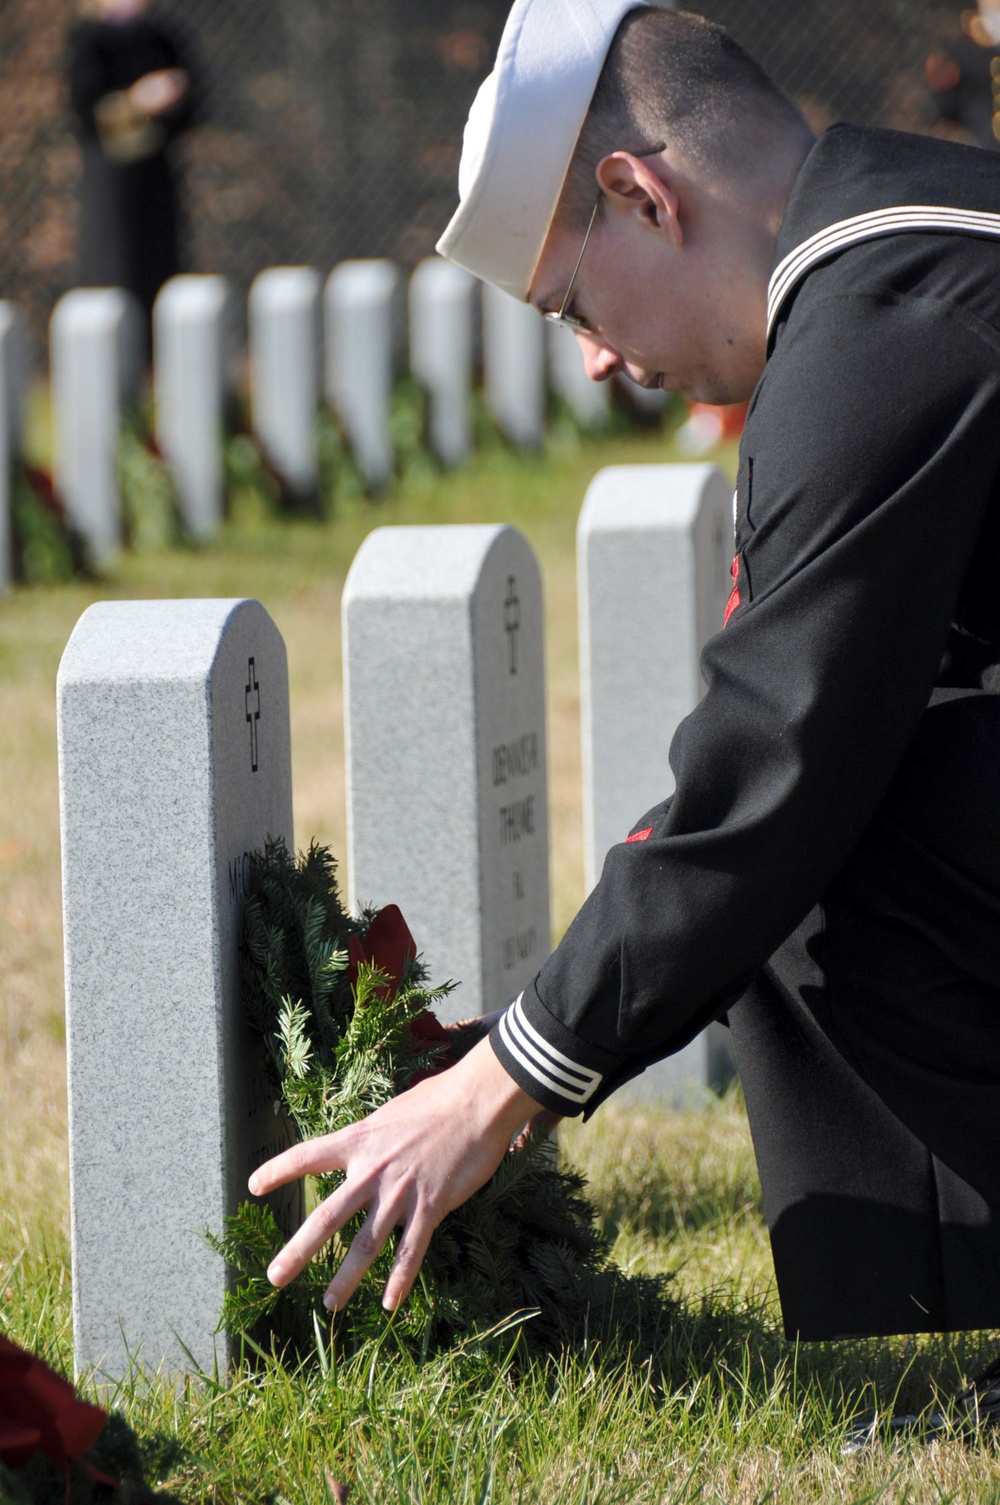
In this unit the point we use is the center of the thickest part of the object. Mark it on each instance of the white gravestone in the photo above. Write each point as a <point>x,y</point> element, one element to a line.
<point>96,356</point>
<point>191,342</point>
<point>654,544</point>
<point>284,316</point>
<point>514,367</point>
<point>651,402</point>
<point>174,766</point>
<point>444,706</point>
<point>359,310</point>
<point>441,353</point>
<point>588,400</point>
<point>13,391</point>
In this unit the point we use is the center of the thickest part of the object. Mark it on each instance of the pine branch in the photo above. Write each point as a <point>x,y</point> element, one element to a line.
<point>526,1240</point>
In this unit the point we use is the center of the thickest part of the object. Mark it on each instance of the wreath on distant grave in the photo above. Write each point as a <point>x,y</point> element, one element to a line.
<point>346,1015</point>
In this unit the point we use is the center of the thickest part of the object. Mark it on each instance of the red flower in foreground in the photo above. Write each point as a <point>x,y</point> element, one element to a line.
<point>389,946</point>
<point>40,1413</point>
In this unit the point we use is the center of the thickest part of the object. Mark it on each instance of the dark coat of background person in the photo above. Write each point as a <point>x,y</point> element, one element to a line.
<point>129,211</point>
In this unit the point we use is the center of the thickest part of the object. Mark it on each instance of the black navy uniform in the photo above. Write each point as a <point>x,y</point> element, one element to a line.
<point>827,872</point>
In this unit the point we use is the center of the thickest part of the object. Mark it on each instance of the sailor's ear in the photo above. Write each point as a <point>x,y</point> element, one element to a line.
<point>641,186</point>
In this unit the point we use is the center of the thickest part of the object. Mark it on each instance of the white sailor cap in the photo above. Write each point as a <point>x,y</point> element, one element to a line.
<point>521,132</point>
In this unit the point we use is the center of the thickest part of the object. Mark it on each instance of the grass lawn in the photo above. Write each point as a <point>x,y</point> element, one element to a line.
<point>722,1410</point>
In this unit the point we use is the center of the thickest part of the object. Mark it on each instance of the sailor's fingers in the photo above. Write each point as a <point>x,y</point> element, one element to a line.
<point>313,1157</point>
<point>409,1257</point>
<point>317,1231</point>
<point>369,1242</point>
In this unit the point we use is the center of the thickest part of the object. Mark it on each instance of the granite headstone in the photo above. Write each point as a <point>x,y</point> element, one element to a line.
<point>514,367</point>
<point>442,299</point>
<point>360,315</point>
<point>654,548</point>
<point>446,774</point>
<point>191,340</point>
<point>96,339</point>
<point>650,402</point>
<point>588,400</point>
<point>174,767</point>
<point>284,318</point>
<point>13,389</point>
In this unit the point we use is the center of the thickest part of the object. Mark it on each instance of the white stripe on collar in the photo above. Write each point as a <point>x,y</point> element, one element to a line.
<point>847,232</point>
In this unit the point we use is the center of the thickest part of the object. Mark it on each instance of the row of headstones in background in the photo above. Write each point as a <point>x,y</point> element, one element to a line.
<point>175,765</point>
<point>95,351</point>
<point>96,355</point>
<point>13,388</point>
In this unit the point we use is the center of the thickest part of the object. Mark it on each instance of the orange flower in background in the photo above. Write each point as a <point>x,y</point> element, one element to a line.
<point>389,946</point>
<point>40,1413</point>
<point>709,424</point>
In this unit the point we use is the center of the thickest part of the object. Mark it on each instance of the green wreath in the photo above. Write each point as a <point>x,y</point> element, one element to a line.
<point>346,1015</point>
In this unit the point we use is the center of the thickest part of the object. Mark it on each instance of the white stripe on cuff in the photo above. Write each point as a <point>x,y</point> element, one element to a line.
<point>860,227</point>
<point>558,1072</point>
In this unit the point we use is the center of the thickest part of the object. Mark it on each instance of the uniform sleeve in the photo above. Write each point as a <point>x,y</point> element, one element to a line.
<point>867,465</point>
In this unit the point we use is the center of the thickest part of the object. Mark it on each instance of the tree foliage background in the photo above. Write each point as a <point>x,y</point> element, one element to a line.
<point>332,128</point>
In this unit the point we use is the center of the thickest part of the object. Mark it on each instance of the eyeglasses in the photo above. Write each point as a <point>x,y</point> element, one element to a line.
<point>562,317</point>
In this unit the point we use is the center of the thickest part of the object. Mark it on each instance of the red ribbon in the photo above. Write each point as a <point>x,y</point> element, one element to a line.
<point>390,948</point>
<point>40,1413</point>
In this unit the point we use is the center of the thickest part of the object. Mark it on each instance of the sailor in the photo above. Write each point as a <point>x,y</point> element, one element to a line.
<point>826,875</point>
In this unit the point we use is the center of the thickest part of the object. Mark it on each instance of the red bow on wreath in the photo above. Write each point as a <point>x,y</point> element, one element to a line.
<point>40,1413</point>
<point>390,948</point>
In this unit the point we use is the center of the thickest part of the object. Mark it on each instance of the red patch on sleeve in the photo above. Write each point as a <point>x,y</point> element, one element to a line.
<point>734,595</point>
<point>640,835</point>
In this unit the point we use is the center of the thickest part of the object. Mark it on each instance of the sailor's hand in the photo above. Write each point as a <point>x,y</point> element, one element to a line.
<point>408,1164</point>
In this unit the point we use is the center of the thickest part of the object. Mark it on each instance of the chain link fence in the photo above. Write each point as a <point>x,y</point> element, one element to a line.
<point>332,128</point>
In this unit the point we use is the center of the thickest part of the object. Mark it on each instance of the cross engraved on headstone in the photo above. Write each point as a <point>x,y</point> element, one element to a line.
<point>253,710</point>
<point>512,621</point>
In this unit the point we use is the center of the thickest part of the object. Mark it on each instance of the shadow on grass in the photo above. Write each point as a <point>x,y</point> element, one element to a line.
<point>732,1353</point>
<point>120,1454</point>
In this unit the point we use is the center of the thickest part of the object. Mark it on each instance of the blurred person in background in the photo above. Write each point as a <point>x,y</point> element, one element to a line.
<point>963,75</point>
<point>131,94</point>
